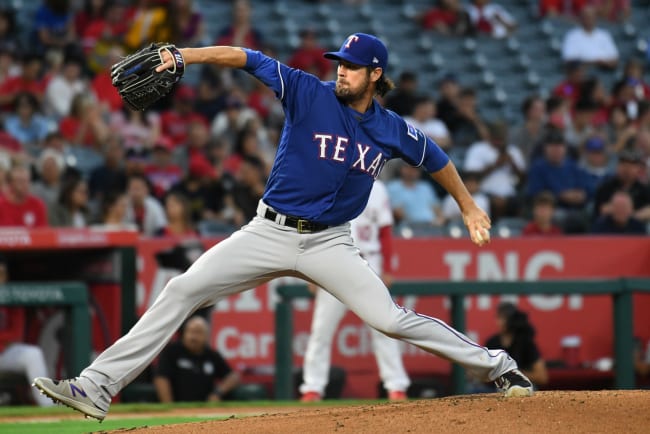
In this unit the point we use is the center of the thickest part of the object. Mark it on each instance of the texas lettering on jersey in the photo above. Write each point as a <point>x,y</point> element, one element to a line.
<point>329,154</point>
<point>334,147</point>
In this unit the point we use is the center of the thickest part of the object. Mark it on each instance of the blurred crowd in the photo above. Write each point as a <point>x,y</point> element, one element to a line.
<point>72,155</point>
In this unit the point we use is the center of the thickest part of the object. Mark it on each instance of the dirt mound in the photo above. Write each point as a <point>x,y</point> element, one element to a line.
<point>546,412</point>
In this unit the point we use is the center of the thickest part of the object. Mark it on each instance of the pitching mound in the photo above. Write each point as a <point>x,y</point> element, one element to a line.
<point>546,412</point>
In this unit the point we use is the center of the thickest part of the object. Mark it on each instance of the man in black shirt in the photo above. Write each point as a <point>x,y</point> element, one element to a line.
<point>403,99</point>
<point>203,190</point>
<point>626,179</point>
<point>247,191</point>
<point>188,368</point>
<point>516,335</point>
<point>621,218</point>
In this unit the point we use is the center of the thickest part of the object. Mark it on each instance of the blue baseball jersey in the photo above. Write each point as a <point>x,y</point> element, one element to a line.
<point>329,154</point>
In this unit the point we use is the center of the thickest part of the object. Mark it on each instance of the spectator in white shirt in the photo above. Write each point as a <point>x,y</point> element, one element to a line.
<point>590,44</point>
<point>143,209</point>
<point>63,87</point>
<point>472,180</point>
<point>501,166</point>
<point>424,119</point>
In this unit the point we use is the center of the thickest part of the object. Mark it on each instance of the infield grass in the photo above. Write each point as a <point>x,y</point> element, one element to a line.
<point>58,420</point>
<point>77,426</point>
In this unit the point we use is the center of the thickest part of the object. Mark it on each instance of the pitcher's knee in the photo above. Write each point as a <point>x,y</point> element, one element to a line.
<point>388,327</point>
<point>183,288</point>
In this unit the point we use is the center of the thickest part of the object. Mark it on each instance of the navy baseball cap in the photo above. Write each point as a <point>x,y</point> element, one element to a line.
<point>362,49</point>
<point>595,144</point>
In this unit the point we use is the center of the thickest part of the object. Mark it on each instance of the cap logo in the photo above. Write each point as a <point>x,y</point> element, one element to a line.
<point>375,60</point>
<point>351,39</point>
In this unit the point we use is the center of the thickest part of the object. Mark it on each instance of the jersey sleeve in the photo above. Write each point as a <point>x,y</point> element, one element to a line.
<point>294,88</point>
<point>419,150</point>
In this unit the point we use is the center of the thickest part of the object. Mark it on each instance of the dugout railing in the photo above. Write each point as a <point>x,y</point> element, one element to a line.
<point>73,296</point>
<point>620,290</point>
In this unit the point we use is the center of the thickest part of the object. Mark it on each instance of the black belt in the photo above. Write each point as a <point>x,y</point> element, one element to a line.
<point>302,225</point>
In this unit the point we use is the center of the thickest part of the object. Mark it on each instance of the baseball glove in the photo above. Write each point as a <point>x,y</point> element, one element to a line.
<point>137,81</point>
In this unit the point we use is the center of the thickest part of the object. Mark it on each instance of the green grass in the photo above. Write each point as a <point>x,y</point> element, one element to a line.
<point>113,421</point>
<point>134,408</point>
<point>75,426</point>
<point>26,411</point>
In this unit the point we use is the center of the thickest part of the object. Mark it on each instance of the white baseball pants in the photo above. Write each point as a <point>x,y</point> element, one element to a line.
<point>259,252</point>
<point>28,360</point>
<point>328,312</point>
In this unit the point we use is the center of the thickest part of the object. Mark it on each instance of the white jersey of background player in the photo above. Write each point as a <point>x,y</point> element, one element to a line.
<point>367,233</point>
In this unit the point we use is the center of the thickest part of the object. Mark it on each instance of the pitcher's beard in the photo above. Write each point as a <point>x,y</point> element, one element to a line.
<point>347,95</point>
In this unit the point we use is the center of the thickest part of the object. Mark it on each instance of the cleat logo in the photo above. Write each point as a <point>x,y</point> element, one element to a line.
<point>75,389</point>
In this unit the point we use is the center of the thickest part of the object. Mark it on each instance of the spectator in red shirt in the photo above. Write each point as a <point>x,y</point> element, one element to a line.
<point>309,56</point>
<point>241,32</point>
<point>490,18</point>
<point>30,80</point>
<point>247,145</point>
<point>542,222</point>
<point>175,122</point>
<point>613,10</point>
<point>105,34</point>
<point>447,17</point>
<point>569,88</point>
<point>162,172</point>
<point>187,23</point>
<point>92,11</point>
<point>262,99</point>
<point>102,84</point>
<point>18,207</point>
<point>563,8</point>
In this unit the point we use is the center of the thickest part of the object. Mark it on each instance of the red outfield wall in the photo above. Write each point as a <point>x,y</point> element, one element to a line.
<point>243,325</point>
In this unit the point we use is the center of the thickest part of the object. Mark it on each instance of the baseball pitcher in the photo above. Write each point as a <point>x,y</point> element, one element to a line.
<point>335,141</point>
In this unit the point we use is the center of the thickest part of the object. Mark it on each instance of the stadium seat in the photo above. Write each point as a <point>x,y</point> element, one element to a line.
<point>507,227</point>
<point>456,229</point>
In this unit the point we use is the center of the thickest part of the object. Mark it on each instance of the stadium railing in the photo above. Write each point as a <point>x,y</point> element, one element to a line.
<point>620,290</point>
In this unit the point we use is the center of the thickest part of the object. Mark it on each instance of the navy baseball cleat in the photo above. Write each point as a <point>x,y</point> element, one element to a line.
<point>71,393</point>
<point>514,384</point>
